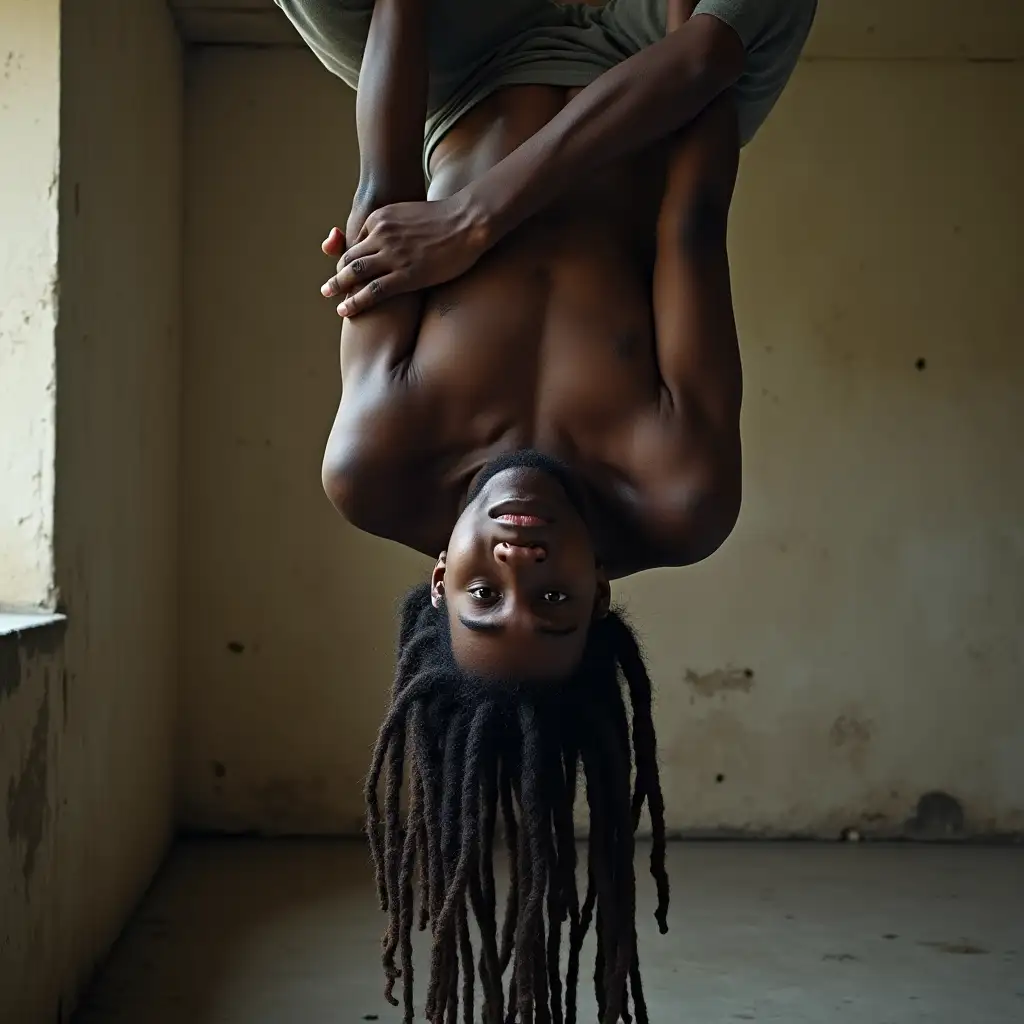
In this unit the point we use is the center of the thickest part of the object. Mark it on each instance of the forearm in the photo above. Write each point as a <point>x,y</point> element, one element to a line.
<point>391,106</point>
<point>390,114</point>
<point>647,97</point>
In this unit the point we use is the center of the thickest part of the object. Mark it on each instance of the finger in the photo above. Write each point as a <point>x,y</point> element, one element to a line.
<point>360,271</point>
<point>334,243</point>
<point>350,256</point>
<point>379,289</point>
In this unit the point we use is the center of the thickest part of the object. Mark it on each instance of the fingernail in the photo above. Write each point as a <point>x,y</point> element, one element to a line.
<point>343,309</point>
<point>326,290</point>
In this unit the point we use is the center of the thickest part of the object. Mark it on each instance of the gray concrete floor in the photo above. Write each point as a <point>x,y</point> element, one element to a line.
<point>249,932</point>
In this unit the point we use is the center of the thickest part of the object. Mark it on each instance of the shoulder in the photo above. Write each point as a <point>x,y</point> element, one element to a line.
<point>379,466</point>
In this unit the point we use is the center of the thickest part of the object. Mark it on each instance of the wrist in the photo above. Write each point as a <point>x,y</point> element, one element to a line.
<point>480,217</point>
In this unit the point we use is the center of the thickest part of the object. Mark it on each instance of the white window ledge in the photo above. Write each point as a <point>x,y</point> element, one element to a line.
<point>19,622</point>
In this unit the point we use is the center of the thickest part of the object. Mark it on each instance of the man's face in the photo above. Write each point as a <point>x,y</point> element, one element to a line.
<point>519,578</point>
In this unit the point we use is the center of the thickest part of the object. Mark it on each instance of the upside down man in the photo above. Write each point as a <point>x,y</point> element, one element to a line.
<point>541,391</point>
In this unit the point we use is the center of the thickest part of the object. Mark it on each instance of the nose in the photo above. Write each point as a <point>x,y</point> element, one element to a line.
<point>519,554</point>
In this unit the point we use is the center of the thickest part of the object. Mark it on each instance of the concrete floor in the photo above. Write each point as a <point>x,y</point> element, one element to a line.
<point>249,932</point>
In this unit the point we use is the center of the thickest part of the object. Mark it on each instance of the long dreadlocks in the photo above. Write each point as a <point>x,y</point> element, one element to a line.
<point>477,751</point>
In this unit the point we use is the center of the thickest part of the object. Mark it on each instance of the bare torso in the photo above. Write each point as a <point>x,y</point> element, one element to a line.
<point>547,343</point>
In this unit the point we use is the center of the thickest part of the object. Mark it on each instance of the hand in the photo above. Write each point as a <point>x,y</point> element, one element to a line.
<point>405,247</point>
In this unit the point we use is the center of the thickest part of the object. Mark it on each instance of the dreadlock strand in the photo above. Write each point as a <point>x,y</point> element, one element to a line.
<point>394,848</point>
<point>636,984</point>
<point>646,753</point>
<point>511,920</point>
<point>616,743</point>
<point>469,813</point>
<point>466,954</point>
<point>445,953</point>
<point>416,688</point>
<point>414,825</point>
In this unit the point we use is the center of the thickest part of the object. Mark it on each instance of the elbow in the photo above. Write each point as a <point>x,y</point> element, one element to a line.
<point>341,479</point>
<point>337,480</point>
<point>713,526</point>
<point>699,517</point>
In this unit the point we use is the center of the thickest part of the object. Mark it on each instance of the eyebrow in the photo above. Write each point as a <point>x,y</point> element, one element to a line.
<point>496,627</point>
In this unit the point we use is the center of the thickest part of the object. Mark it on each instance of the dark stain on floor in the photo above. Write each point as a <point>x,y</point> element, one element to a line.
<point>962,948</point>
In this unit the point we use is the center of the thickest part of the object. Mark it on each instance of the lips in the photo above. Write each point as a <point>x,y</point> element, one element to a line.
<point>524,512</point>
<point>521,520</point>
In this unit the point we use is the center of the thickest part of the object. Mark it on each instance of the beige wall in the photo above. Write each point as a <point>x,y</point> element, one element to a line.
<point>87,715</point>
<point>29,127</point>
<point>855,644</point>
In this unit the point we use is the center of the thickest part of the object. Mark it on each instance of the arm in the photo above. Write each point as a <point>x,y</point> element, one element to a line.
<point>390,114</point>
<point>697,348</point>
<point>645,98</point>
<point>375,349</point>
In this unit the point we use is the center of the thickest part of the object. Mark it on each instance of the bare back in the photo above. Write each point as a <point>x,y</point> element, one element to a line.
<point>547,343</point>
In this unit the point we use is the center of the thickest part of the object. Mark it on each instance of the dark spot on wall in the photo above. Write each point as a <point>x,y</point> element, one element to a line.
<point>26,795</point>
<point>962,948</point>
<point>840,957</point>
<point>719,777</point>
<point>720,680</point>
<point>370,1016</point>
<point>890,936</point>
<point>921,363</point>
<point>235,647</point>
<point>938,816</point>
<point>848,730</point>
<point>219,769</point>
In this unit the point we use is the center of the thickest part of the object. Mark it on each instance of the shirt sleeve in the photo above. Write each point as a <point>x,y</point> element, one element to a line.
<point>773,33</point>
<point>760,22</point>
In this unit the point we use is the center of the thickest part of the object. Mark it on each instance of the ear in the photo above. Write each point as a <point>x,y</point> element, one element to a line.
<point>437,581</point>
<point>603,597</point>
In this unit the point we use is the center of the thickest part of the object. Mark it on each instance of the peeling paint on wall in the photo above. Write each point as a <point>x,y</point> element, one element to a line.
<point>721,680</point>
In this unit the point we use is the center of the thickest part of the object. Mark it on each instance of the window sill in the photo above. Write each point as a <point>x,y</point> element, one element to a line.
<point>22,622</point>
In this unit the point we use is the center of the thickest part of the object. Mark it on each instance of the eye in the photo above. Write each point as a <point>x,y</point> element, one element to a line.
<point>483,593</point>
<point>555,597</point>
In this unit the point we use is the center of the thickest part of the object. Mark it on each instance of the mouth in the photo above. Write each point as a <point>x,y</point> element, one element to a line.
<point>514,520</point>
<point>522,512</point>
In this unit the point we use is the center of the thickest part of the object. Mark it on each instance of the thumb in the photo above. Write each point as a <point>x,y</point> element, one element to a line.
<point>334,243</point>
